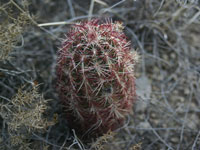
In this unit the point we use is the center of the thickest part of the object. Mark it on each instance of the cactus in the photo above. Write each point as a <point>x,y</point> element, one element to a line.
<point>95,76</point>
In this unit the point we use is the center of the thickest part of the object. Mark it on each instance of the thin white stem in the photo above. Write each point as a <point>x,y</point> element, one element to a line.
<point>91,9</point>
<point>54,23</point>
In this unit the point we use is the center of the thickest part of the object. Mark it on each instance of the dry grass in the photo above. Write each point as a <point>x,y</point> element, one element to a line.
<point>12,27</point>
<point>165,33</point>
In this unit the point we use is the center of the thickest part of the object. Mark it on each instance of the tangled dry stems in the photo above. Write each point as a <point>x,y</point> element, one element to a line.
<point>166,33</point>
<point>12,28</point>
<point>22,115</point>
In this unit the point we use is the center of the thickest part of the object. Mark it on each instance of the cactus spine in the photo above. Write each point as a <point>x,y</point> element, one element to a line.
<point>95,71</point>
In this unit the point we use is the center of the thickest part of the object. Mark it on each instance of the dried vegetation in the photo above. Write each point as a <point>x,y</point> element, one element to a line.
<point>11,29</point>
<point>23,115</point>
<point>165,33</point>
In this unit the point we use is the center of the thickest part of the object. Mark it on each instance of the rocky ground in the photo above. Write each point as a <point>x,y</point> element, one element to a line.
<point>165,34</point>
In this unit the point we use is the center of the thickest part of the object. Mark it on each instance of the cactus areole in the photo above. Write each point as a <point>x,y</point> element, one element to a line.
<point>95,76</point>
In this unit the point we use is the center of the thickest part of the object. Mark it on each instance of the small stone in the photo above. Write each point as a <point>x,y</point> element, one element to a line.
<point>175,139</point>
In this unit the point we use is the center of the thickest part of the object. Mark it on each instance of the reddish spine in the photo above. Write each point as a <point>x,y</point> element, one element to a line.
<point>95,71</point>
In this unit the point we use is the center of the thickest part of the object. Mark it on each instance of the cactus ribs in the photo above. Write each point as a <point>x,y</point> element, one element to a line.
<point>95,76</point>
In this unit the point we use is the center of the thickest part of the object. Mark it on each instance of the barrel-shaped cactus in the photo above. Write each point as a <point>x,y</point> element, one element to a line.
<point>95,76</point>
